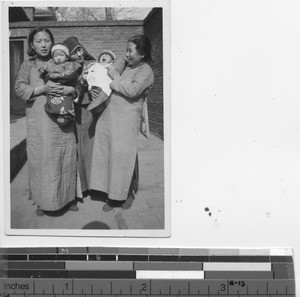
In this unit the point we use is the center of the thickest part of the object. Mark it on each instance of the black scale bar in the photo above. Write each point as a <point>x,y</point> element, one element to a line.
<point>141,258</point>
<point>36,265</point>
<point>118,274</point>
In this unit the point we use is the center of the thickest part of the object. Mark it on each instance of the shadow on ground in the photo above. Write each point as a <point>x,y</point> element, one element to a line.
<point>96,225</point>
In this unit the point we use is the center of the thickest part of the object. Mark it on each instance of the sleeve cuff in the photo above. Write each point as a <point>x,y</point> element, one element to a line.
<point>29,93</point>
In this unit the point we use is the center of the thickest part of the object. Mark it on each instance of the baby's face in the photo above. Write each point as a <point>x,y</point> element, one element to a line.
<point>59,56</point>
<point>105,59</point>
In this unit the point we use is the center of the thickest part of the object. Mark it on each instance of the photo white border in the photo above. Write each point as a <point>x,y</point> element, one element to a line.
<point>166,232</point>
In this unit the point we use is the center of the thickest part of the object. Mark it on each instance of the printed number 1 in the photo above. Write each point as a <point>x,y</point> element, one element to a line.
<point>67,286</point>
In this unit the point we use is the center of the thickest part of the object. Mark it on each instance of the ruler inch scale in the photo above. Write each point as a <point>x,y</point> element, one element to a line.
<point>105,271</point>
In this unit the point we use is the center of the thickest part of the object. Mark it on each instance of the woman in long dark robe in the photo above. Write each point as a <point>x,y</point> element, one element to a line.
<point>85,120</point>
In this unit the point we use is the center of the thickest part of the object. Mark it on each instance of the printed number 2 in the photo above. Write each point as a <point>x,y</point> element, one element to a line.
<point>144,287</point>
<point>223,287</point>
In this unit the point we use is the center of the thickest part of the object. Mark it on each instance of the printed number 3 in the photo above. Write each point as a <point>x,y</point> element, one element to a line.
<point>223,287</point>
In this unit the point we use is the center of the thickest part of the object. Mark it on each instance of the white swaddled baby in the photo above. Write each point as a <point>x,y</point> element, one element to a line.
<point>98,79</point>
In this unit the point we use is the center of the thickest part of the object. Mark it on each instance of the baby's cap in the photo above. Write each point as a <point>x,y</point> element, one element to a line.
<point>60,46</point>
<point>112,54</point>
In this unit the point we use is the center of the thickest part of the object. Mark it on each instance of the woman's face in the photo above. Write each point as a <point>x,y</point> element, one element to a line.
<point>133,57</point>
<point>42,44</point>
<point>77,55</point>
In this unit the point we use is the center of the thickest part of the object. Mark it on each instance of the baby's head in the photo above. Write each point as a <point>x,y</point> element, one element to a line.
<point>60,53</point>
<point>106,57</point>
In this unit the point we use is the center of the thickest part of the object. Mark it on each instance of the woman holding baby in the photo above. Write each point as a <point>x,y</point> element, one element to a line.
<point>116,136</point>
<point>51,149</point>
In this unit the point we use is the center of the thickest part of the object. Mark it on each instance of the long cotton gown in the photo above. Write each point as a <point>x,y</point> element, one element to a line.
<point>51,150</point>
<point>116,137</point>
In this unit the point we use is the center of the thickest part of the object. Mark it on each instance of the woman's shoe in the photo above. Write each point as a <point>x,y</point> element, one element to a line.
<point>127,204</point>
<point>40,212</point>
<point>73,207</point>
<point>107,207</point>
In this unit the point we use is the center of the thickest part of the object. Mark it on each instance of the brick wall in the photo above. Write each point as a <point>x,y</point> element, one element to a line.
<point>95,36</point>
<point>153,29</point>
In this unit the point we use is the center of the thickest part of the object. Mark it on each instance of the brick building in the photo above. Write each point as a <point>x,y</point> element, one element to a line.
<point>153,29</point>
<point>95,36</point>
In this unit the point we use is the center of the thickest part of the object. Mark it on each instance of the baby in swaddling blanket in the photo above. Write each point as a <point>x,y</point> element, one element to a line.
<point>98,80</point>
<point>60,69</point>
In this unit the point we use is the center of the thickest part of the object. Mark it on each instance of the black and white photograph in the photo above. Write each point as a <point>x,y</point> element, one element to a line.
<point>158,131</point>
<point>88,119</point>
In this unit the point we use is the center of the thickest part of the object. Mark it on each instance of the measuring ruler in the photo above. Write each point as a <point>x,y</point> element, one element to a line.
<point>110,271</point>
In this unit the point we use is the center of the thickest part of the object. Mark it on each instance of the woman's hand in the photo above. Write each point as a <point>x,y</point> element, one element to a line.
<point>68,90</point>
<point>59,90</point>
<point>112,72</point>
<point>42,90</point>
<point>95,93</point>
<point>54,89</point>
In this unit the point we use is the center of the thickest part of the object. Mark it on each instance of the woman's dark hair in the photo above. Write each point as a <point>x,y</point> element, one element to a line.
<point>31,35</point>
<point>143,46</point>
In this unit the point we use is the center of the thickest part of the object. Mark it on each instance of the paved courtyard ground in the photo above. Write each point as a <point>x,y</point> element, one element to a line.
<point>147,211</point>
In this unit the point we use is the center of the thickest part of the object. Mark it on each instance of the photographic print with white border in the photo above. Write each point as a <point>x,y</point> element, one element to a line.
<point>39,166</point>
